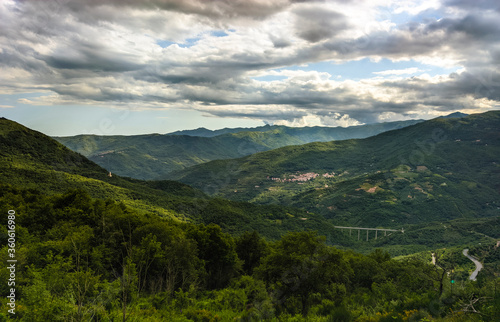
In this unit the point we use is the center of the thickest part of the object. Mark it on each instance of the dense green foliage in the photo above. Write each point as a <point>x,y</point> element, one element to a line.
<point>435,170</point>
<point>84,259</point>
<point>153,156</point>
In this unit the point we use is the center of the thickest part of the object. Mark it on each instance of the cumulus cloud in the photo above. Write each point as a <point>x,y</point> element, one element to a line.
<point>220,56</point>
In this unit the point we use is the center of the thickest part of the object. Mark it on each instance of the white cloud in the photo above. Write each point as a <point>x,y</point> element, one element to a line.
<point>416,7</point>
<point>406,71</point>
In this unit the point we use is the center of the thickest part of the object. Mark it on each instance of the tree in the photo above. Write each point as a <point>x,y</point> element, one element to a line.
<point>251,248</point>
<point>301,264</point>
<point>166,258</point>
<point>128,284</point>
<point>441,269</point>
<point>218,251</point>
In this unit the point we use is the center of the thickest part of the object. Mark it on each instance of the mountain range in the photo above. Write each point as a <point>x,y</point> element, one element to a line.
<point>153,156</point>
<point>440,169</point>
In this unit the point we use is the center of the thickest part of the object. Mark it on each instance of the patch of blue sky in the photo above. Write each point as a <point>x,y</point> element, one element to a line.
<point>13,98</point>
<point>270,78</point>
<point>365,68</point>
<point>164,43</point>
<point>428,15</point>
<point>404,17</point>
<point>387,14</point>
<point>219,33</point>
<point>189,42</point>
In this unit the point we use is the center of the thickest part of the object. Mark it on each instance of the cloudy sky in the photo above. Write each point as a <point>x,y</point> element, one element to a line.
<point>144,66</point>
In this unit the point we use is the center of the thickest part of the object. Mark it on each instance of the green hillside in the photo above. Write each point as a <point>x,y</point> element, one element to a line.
<point>441,169</point>
<point>31,160</point>
<point>152,157</point>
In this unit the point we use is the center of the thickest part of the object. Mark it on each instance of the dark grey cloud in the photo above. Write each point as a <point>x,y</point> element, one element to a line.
<point>91,57</point>
<point>459,91</point>
<point>473,26</point>
<point>474,5</point>
<point>208,8</point>
<point>269,114</point>
<point>314,23</point>
<point>280,42</point>
<point>394,44</point>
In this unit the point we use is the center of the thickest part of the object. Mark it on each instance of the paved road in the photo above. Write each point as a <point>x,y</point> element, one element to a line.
<point>479,266</point>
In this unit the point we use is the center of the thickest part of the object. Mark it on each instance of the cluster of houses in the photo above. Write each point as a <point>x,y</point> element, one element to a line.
<point>301,177</point>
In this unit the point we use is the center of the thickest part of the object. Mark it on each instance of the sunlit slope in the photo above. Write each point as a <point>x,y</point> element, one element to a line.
<point>445,168</point>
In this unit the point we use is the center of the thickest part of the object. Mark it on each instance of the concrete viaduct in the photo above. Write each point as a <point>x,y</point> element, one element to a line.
<point>359,229</point>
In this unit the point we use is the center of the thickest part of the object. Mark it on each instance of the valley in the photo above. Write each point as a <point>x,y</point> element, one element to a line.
<point>270,234</point>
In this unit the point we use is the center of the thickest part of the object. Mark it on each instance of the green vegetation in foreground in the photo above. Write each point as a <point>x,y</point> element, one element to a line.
<point>153,156</point>
<point>81,259</point>
<point>441,169</point>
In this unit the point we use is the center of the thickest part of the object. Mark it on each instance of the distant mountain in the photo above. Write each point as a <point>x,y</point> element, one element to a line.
<point>455,115</point>
<point>153,156</point>
<point>32,160</point>
<point>440,169</point>
<point>204,132</point>
<point>371,129</point>
<point>308,133</point>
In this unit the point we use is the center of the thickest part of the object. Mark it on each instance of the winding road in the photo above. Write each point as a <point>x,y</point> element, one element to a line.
<point>479,266</point>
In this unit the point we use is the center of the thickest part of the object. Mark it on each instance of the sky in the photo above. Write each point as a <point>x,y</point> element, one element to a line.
<point>123,67</point>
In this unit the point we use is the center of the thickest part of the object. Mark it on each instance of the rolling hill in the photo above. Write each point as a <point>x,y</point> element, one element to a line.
<point>440,169</point>
<point>153,156</point>
<point>32,161</point>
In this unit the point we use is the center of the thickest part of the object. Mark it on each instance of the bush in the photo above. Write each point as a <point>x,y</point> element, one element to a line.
<point>340,314</point>
<point>202,316</point>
